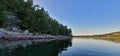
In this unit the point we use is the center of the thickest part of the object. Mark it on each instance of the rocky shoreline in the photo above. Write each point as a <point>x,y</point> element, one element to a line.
<point>15,39</point>
<point>25,35</point>
<point>16,42</point>
<point>31,37</point>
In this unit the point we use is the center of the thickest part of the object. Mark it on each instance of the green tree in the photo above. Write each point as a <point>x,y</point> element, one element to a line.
<point>3,19</point>
<point>32,17</point>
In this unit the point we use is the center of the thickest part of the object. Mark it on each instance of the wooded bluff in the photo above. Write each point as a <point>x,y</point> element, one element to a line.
<point>26,16</point>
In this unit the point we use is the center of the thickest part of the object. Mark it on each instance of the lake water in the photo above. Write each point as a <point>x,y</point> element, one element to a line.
<point>70,47</point>
<point>93,47</point>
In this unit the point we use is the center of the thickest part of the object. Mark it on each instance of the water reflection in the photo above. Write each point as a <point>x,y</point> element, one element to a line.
<point>117,40</point>
<point>38,49</point>
<point>93,47</point>
<point>78,47</point>
<point>113,39</point>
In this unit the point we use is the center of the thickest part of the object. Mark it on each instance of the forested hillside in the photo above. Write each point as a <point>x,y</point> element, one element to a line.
<point>113,34</point>
<point>30,17</point>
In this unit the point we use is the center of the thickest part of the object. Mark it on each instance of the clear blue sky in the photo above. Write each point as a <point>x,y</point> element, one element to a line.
<point>85,17</point>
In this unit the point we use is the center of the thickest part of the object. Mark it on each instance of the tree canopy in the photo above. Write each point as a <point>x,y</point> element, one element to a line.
<point>33,17</point>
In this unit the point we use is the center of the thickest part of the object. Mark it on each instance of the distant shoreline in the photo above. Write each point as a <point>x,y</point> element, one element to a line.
<point>93,37</point>
<point>113,34</point>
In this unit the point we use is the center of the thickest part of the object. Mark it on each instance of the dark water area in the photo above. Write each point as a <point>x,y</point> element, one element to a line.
<point>52,48</point>
<point>69,47</point>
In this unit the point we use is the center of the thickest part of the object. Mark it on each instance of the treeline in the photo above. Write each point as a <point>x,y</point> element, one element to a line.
<point>113,34</point>
<point>32,17</point>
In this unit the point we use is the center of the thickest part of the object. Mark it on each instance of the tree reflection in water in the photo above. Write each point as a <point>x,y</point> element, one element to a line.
<point>114,39</point>
<point>40,49</point>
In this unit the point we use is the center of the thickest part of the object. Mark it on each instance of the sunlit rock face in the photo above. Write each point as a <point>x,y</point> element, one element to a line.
<point>12,23</point>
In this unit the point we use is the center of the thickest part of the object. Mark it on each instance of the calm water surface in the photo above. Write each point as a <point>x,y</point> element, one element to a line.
<point>74,47</point>
<point>93,47</point>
